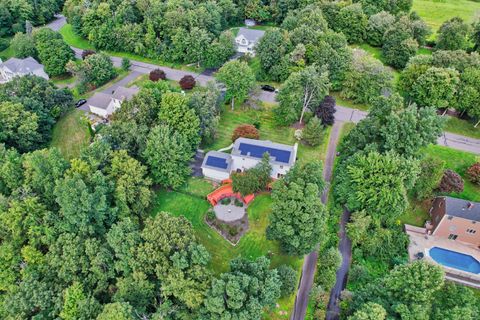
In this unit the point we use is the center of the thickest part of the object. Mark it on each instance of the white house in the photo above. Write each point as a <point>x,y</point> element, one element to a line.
<point>104,104</point>
<point>246,40</point>
<point>246,154</point>
<point>14,67</point>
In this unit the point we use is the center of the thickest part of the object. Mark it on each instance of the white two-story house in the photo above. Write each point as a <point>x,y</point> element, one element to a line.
<point>105,105</point>
<point>246,154</point>
<point>246,40</point>
<point>14,67</point>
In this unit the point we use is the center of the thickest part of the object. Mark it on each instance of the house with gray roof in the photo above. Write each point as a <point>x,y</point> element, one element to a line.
<point>246,40</point>
<point>247,153</point>
<point>14,67</point>
<point>105,105</point>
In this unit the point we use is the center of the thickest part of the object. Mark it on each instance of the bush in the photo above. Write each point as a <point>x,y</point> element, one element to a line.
<point>87,53</point>
<point>245,131</point>
<point>126,64</point>
<point>187,82</point>
<point>238,203</point>
<point>4,43</point>
<point>451,182</point>
<point>473,173</point>
<point>326,111</point>
<point>225,201</point>
<point>210,215</point>
<point>288,276</point>
<point>23,46</point>
<point>157,74</point>
<point>312,134</point>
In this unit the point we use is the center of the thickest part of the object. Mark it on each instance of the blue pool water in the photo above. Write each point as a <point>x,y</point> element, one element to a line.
<point>455,260</point>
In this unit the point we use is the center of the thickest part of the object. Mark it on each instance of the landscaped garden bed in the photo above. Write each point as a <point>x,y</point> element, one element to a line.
<point>231,231</point>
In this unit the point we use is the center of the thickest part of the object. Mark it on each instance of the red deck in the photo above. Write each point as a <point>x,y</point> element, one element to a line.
<point>226,191</point>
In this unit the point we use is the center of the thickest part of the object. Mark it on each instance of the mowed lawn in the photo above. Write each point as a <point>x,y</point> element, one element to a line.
<point>435,12</point>
<point>268,131</point>
<point>71,134</point>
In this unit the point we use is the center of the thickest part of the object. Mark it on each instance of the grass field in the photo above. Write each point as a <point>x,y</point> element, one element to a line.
<point>74,40</point>
<point>268,131</point>
<point>463,127</point>
<point>71,133</point>
<point>435,12</point>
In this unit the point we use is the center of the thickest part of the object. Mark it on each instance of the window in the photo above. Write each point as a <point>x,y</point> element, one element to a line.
<point>452,236</point>
<point>471,231</point>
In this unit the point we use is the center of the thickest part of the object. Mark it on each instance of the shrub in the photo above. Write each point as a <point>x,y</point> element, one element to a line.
<point>232,231</point>
<point>87,53</point>
<point>245,131</point>
<point>288,276</point>
<point>23,46</point>
<point>225,201</point>
<point>210,215</point>
<point>126,64</point>
<point>187,82</point>
<point>4,43</point>
<point>157,74</point>
<point>312,134</point>
<point>326,111</point>
<point>473,173</point>
<point>451,182</point>
<point>238,203</point>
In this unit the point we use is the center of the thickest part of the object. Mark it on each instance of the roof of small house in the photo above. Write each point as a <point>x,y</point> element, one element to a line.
<point>100,100</point>
<point>123,93</point>
<point>218,161</point>
<point>462,208</point>
<point>279,153</point>
<point>251,35</point>
<point>22,66</point>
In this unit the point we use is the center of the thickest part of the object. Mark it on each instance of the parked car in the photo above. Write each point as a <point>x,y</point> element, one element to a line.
<point>268,88</point>
<point>80,103</point>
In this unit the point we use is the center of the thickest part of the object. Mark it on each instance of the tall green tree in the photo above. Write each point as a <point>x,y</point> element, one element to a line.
<point>453,35</point>
<point>23,46</point>
<point>18,127</point>
<point>238,78</point>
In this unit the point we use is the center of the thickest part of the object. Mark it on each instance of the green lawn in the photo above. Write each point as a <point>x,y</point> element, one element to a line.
<point>348,103</point>
<point>463,127</point>
<point>268,131</point>
<point>71,133</point>
<point>435,12</point>
<point>74,40</point>
<point>7,53</point>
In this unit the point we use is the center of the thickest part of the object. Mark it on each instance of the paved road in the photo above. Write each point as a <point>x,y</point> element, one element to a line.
<point>310,261</point>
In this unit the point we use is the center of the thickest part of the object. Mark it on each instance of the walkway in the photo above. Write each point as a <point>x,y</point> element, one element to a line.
<point>310,261</point>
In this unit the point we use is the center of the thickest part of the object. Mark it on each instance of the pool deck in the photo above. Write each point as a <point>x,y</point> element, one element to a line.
<point>421,242</point>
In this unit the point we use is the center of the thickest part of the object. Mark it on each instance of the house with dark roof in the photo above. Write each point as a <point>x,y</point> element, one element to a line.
<point>246,40</point>
<point>14,67</point>
<point>104,104</point>
<point>247,153</point>
<point>455,219</point>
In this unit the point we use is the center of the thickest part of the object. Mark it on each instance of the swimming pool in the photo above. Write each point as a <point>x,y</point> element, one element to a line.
<point>455,260</point>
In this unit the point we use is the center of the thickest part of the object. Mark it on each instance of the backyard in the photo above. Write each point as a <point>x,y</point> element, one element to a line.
<point>71,133</point>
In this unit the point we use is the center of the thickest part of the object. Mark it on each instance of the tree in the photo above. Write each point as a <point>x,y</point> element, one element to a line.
<point>136,290</point>
<point>289,278</point>
<point>187,82</point>
<point>326,111</point>
<point>96,70</point>
<point>367,79</point>
<point>352,22</point>
<point>18,127</point>
<point>157,74</point>
<point>126,64</point>
<point>238,78</point>
<point>451,182</point>
<point>254,179</point>
<point>77,305</point>
<point>245,131</point>
<point>453,35</point>
<point>436,87</point>
<point>297,219</point>
<point>52,50</point>
<point>220,50</point>
<point>11,171</point>
<point>431,172</point>
<point>377,183</point>
<point>313,132</point>
<point>116,311</point>
<point>399,45</point>
<point>463,306</point>
<point>473,173</point>
<point>245,291</point>
<point>377,26</point>
<point>270,49</point>
<point>475,36</point>
<point>206,104</point>
<point>23,46</point>
<point>167,153</point>
<point>369,311</point>
<point>301,91</point>
<point>176,114</point>
<point>328,262</point>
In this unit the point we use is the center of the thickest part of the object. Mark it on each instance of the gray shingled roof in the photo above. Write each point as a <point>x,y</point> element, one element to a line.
<point>123,93</point>
<point>100,100</point>
<point>22,66</point>
<point>251,35</point>
<point>462,208</point>
<point>277,149</point>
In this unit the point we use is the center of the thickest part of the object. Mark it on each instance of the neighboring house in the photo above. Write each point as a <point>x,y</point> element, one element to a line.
<point>246,154</point>
<point>104,104</point>
<point>14,67</point>
<point>455,219</point>
<point>246,40</point>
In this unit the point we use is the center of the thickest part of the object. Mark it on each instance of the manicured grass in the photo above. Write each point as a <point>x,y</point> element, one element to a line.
<point>435,12</point>
<point>252,245</point>
<point>197,187</point>
<point>348,103</point>
<point>74,40</point>
<point>463,127</point>
<point>416,214</point>
<point>7,53</point>
<point>71,133</point>
<point>268,131</point>
<point>63,80</point>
